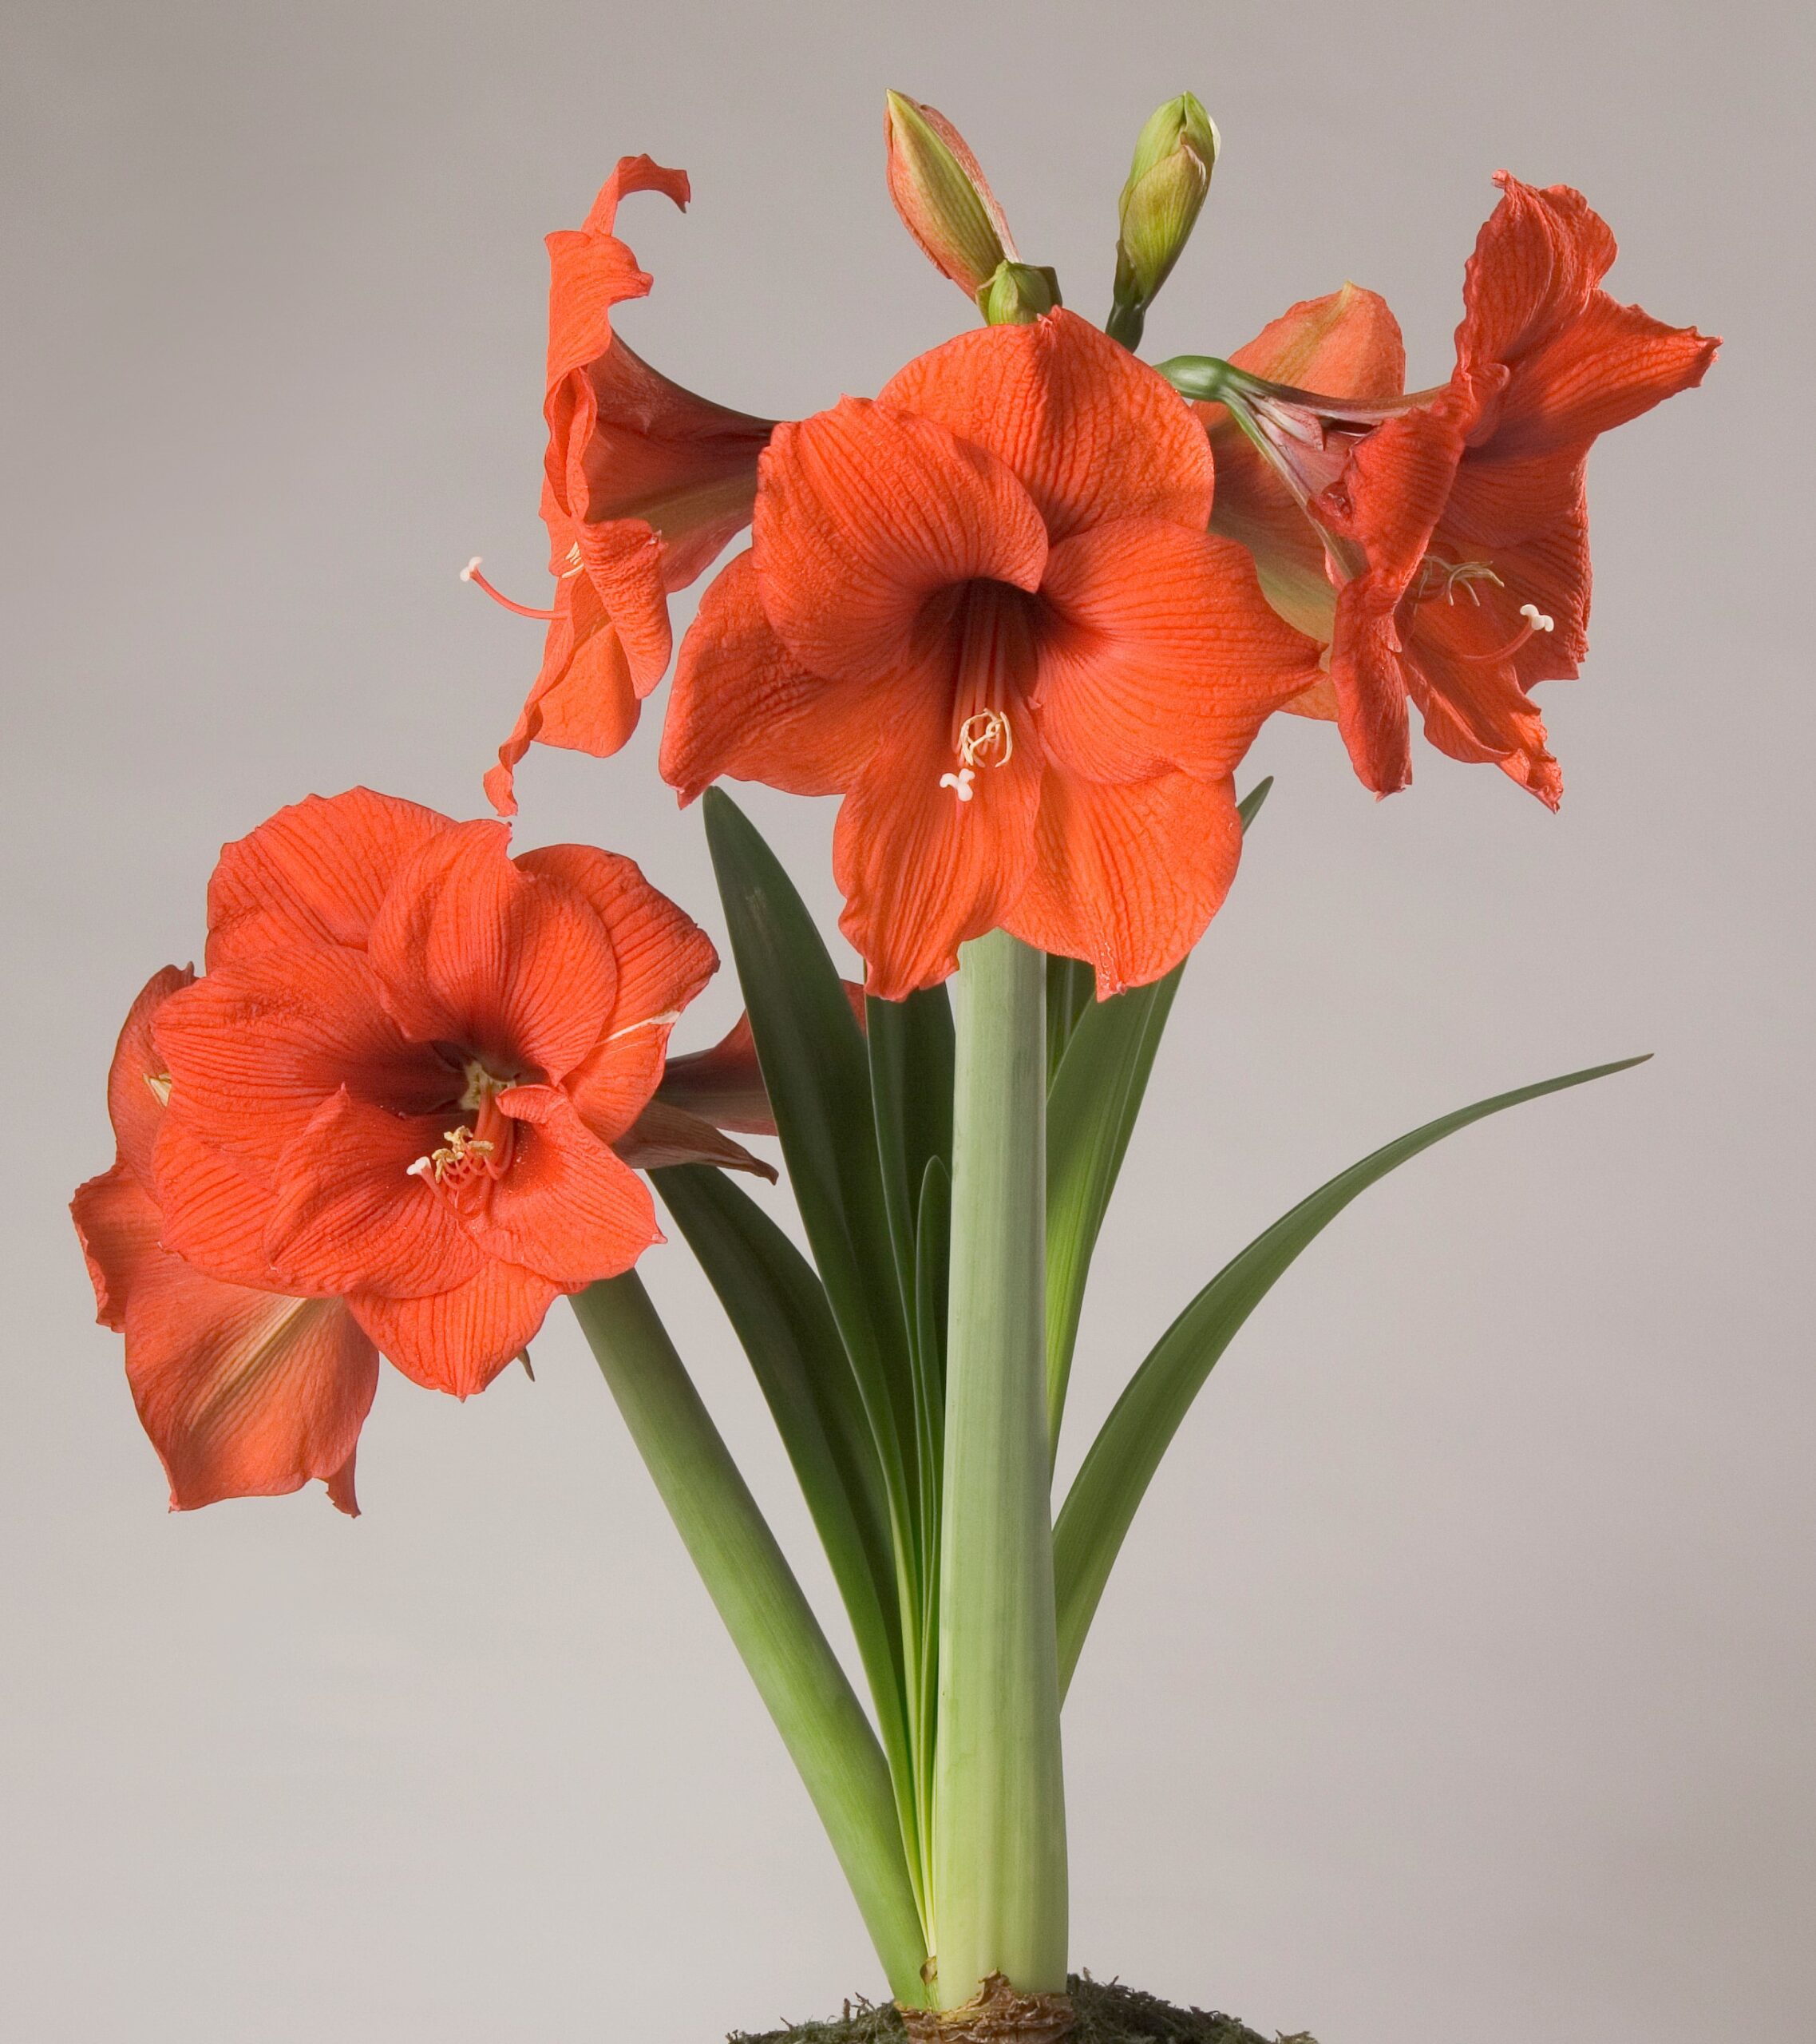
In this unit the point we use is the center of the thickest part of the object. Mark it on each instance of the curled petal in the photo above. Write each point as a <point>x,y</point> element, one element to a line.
<point>1128,877</point>
<point>459,1340</point>
<point>472,949</point>
<point>582,700</point>
<point>664,958</point>
<point>1347,344</point>
<point>1166,655</point>
<point>313,873</point>
<point>865,512</point>
<point>137,1080</point>
<point>1092,434</point>
<point>665,1134</point>
<point>591,270</point>
<point>118,1225</point>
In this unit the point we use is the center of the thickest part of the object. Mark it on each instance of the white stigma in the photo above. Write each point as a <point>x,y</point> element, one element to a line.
<point>960,782</point>
<point>472,567</point>
<point>1537,618</point>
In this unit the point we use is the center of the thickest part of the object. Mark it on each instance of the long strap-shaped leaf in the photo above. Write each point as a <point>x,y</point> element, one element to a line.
<point>816,1071</point>
<point>1109,1488</point>
<point>778,1311</point>
<point>1097,1091</point>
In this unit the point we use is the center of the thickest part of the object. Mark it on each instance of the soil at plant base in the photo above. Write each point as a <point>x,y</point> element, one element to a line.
<point>1108,2013</point>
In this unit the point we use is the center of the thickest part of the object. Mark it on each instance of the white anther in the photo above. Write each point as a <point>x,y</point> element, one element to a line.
<point>960,782</point>
<point>1537,618</point>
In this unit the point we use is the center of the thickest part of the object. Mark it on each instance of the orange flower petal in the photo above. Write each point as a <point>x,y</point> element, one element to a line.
<point>118,1225</point>
<point>255,1048</point>
<point>863,513</point>
<point>921,871</point>
<point>474,951</point>
<point>458,1341</point>
<point>623,560</point>
<point>591,270</point>
<point>664,959</point>
<point>136,1078</point>
<point>567,1208</point>
<point>244,1393</point>
<point>644,448</point>
<point>1093,434</point>
<point>350,1215</point>
<point>1166,655</point>
<point>313,873</point>
<point>742,706</point>
<point>1473,706</point>
<point>582,701</point>
<point>1128,877</point>
<point>1346,344</point>
<point>216,1211</point>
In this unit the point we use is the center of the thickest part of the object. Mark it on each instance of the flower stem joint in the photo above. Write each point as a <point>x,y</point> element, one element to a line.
<point>1175,155</point>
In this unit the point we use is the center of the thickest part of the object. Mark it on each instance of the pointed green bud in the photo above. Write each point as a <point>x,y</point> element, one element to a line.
<point>1017,294</point>
<point>1175,154</point>
<point>943,196</point>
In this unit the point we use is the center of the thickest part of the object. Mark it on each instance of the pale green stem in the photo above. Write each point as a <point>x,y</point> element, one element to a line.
<point>999,1901</point>
<point>769,1619</point>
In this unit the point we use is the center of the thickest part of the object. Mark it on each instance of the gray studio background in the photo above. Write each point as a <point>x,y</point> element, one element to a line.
<point>1456,1684</point>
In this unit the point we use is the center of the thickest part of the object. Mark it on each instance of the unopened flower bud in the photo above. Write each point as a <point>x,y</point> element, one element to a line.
<point>1017,294</point>
<point>942,197</point>
<point>1175,155</point>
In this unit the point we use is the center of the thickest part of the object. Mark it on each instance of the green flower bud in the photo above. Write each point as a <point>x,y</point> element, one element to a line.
<point>1017,294</point>
<point>943,196</point>
<point>1175,155</point>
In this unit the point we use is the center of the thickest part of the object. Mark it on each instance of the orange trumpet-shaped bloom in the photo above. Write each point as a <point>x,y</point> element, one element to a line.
<point>244,1392</point>
<point>643,483</point>
<point>1454,523</point>
<point>984,609</point>
<point>398,1115</point>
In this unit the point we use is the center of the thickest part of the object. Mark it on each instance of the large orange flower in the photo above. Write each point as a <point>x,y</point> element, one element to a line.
<point>643,483</point>
<point>400,1113</point>
<point>985,608</point>
<point>1453,524</point>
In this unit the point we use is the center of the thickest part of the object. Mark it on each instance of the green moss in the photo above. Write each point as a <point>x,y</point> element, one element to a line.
<point>1109,2013</point>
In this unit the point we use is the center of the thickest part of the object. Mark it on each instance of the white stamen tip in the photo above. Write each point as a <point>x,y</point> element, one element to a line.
<point>421,1169</point>
<point>960,782</point>
<point>472,567</point>
<point>1537,618</point>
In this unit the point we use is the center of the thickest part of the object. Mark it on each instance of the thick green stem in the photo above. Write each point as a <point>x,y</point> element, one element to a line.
<point>770,1621</point>
<point>999,1898</point>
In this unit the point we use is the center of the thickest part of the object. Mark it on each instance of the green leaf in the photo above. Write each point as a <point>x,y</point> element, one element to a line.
<point>910,1043</point>
<point>778,1311</point>
<point>1096,1096</point>
<point>816,1070</point>
<point>1110,1487</point>
<point>1069,988</point>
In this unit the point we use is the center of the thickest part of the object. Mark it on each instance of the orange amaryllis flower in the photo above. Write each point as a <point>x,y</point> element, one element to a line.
<point>1453,522</point>
<point>244,1392</point>
<point>985,608</point>
<point>409,1076</point>
<point>643,483</point>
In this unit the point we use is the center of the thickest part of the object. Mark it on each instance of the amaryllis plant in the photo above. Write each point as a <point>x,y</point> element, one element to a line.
<point>1024,610</point>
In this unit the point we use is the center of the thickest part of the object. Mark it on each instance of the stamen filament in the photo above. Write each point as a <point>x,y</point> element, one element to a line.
<point>1536,620</point>
<point>470,573</point>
